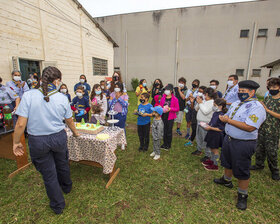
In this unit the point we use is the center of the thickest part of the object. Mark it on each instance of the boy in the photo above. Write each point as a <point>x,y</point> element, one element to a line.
<point>157,131</point>
<point>80,105</point>
<point>144,121</point>
<point>214,84</point>
<point>268,138</point>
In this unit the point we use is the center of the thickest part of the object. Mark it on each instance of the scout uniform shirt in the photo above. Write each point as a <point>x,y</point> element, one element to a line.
<point>231,94</point>
<point>7,95</point>
<point>19,91</point>
<point>250,112</point>
<point>193,92</point>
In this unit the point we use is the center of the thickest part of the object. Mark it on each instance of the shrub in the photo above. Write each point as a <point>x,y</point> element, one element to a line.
<point>134,83</point>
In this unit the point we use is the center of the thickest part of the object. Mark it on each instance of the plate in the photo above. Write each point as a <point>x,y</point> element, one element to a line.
<point>113,121</point>
<point>112,112</point>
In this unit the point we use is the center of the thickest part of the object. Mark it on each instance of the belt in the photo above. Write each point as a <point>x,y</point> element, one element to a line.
<point>244,140</point>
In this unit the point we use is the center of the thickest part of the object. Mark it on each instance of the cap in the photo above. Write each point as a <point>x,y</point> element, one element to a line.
<point>158,109</point>
<point>248,84</point>
<point>169,87</point>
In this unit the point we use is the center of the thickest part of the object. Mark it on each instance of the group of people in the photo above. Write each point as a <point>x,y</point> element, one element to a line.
<point>235,121</point>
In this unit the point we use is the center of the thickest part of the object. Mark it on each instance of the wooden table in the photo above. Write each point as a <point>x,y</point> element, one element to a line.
<point>6,151</point>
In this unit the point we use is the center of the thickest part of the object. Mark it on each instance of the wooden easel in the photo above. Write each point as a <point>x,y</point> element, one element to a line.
<point>6,151</point>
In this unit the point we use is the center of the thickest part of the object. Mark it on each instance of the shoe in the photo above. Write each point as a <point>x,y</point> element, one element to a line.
<point>189,143</point>
<point>255,167</point>
<point>140,149</point>
<point>208,162</point>
<point>242,201</point>
<point>222,181</point>
<point>166,148</point>
<point>275,176</point>
<point>196,153</point>
<point>211,167</point>
<point>187,136</point>
<point>204,159</point>
<point>162,146</point>
<point>157,157</point>
<point>179,132</point>
<point>152,154</point>
<point>58,211</point>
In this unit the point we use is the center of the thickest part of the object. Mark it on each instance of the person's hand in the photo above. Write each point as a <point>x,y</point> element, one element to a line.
<point>135,111</point>
<point>207,128</point>
<point>144,115</point>
<point>199,100</point>
<point>18,149</point>
<point>263,105</point>
<point>118,94</point>
<point>192,99</point>
<point>168,109</point>
<point>76,111</point>
<point>157,90</point>
<point>224,118</point>
<point>85,112</point>
<point>76,134</point>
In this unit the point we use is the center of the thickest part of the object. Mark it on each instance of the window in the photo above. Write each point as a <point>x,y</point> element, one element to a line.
<point>256,73</point>
<point>278,32</point>
<point>244,33</point>
<point>100,66</point>
<point>239,72</point>
<point>262,33</point>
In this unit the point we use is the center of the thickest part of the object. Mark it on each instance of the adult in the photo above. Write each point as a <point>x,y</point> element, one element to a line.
<point>156,90</point>
<point>119,103</point>
<point>231,94</point>
<point>214,84</point>
<point>243,120</point>
<point>142,88</point>
<point>98,98</point>
<point>17,85</point>
<point>180,93</point>
<point>116,78</point>
<point>83,83</point>
<point>43,111</point>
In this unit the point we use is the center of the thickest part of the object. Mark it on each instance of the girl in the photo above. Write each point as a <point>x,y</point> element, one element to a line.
<point>119,103</point>
<point>83,83</point>
<point>117,77</point>
<point>156,90</point>
<point>170,106</point>
<point>142,88</point>
<point>63,89</point>
<point>80,105</point>
<point>98,98</point>
<point>215,134</point>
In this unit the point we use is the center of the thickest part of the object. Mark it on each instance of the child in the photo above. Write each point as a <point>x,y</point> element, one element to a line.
<point>157,131</point>
<point>215,134</point>
<point>63,89</point>
<point>98,105</point>
<point>142,88</point>
<point>157,99</point>
<point>144,121</point>
<point>80,105</point>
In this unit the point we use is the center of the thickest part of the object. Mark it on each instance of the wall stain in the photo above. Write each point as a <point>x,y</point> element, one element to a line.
<point>157,16</point>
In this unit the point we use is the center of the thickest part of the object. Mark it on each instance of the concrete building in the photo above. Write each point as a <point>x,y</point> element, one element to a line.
<point>202,42</point>
<point>274,68</point>
<point>38,33</point>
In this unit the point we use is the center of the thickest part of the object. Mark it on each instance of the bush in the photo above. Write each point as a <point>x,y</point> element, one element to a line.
<point>134,83</point>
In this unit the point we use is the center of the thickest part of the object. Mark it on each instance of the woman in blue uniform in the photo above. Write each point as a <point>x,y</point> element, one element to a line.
<point>43,111</point>
<point>83,83</point>
<point>17,85</point>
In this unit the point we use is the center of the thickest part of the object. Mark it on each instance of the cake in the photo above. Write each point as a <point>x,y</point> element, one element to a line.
<point>89,128</point>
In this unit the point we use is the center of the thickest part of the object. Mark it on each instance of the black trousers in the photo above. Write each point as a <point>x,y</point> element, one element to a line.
<point>193,125</point>
<point>49,154</point>
<point>144,136</point>
<point>167,132</point>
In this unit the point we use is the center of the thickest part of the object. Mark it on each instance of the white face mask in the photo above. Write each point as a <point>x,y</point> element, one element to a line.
<point>79,94</point>
<point>63,90</point>
<point>181,85</point>
<point>82,80</point>
<point>167,92</point>
<point>17,78</point>
<point>213,87</point>
<point>117,90</point>
<point>230,83</point>
<point>102,87</point>
<point>216,109</point>
<point>199,94</point>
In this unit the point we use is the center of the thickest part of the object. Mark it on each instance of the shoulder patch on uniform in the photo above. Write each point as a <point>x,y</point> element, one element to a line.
<point>254,118</point>
<point>248,105</point>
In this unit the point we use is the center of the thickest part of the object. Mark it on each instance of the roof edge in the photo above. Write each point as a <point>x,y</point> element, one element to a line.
<point>271,64</point>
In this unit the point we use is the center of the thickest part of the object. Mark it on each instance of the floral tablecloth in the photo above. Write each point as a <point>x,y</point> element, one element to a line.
<point>88,147</point>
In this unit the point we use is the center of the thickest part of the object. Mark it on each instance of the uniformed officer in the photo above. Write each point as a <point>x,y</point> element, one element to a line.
<point>43,110</point>
<point>231,94</point>
<point>19,86</point>
<point>243,120</point>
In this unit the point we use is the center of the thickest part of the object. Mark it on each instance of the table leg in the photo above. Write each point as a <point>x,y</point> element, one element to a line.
<point>113,175</point>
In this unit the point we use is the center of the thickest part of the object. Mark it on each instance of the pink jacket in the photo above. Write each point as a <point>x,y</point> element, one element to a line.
<point>174,106</point>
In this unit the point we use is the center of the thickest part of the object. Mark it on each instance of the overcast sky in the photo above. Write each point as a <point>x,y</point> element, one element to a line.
<point>111,7</point>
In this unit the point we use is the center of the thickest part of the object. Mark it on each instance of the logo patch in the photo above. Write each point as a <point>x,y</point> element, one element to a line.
<point>254,118</point>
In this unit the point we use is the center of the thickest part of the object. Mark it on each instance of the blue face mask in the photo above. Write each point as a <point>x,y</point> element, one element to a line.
<point>98,92</point>
<point>243,96</point>
<point>144,84</point>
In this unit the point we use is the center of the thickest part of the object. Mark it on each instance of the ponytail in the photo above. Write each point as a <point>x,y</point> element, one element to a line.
<point>221,102</point>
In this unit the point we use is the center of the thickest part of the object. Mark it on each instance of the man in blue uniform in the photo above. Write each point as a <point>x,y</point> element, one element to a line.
<point>43,111</point>
<point>231,94</point>
<point>243,120</point>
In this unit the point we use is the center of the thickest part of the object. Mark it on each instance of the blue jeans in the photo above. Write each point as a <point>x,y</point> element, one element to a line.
<point>122,120</point>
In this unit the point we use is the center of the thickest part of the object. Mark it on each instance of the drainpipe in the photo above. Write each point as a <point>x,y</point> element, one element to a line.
<point>176,56</point>
<point>126,49</point>
<point>251,51</point>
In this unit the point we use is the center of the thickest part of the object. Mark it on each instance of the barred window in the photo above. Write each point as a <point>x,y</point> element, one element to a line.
<point>244,33</point>
<point>278,32</point>
<point>262,33</point>
<point>256,73</point>
<point>239,72</point>
<point>100,66</point>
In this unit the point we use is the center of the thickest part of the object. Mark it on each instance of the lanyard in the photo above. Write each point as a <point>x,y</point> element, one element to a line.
<point>239,105</point>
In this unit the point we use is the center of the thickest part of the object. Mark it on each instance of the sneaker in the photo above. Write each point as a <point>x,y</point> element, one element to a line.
<point>166,148</point>
<point>189,143</point>
<point>211,167</point>
<point>222,181</point>
<point>196,153</point>
<point>152,154</point>
<point>242,201</point>
<point>179,132</point>
<point>275,176</point>
<point>187,136</point>
<point>204,159</point>
<point>162,146</point>
<point>256,167</point>
<point>157,157</point>
<point>207,162</point>
<point>140,149</point>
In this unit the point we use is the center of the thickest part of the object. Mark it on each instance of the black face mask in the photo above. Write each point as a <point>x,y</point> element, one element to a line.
<point>142,101</point>
<point>273,92</point>
<point>157,84</point>
<point>0,85</point>
<point>116,78</point>
<point>194,86</point>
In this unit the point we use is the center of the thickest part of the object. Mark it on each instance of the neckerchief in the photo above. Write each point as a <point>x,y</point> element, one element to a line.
<point>228,90</point>
<point>240,104</point>
<point>51,89</point>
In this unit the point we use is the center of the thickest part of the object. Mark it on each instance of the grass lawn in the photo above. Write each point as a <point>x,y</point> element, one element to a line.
<point>175,189</point>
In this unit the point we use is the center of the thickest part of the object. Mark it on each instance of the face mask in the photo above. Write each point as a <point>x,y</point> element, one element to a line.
<point>273,92</point>
<point>17,78</point>
<point>243,96</point>
<point>63,90</point>
<point>79,94</point>
<point>199,94</point>
<point>216,109</point>
<point>109,86</point>
<point>102,87</point>
<point>213,87</point>
<point>117,90</point>
<point>142,101</point>
<point>116,78</point>
<point>58,84</point>
<point>144,84</point>
<point>167,92</point>
<point>82,80</point>
<point>181,85</point>
<point>230,83</point>
<point>194,86</point>
<point>98,92</point>
<point>157,84</point>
